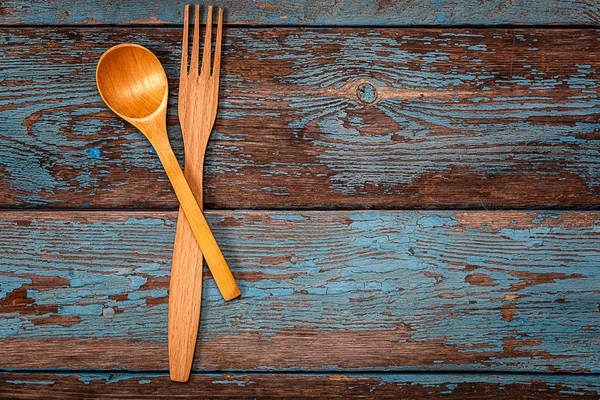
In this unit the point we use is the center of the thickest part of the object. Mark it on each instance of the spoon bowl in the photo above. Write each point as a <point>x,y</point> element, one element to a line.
<point>132,82</point>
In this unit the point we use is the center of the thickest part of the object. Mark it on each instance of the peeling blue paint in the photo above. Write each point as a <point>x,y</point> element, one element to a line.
<point>18,382</point>
<point>435,125</point>
<point>360,271</point>
<point>435,221</point>
<point>232,381</point>
<point>288,217</point>
<point>444,383</point>
<point>478,47</point>
<point>93,152</point>
<point>346,12</point>
<point>109,378</point>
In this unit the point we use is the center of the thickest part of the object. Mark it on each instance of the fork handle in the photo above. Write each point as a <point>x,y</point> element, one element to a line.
<point>185,294</point>
<point>186,273</point>
<point>185,299</point>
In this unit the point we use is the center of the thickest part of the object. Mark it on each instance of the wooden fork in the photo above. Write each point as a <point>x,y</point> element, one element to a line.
<point>198,100</point>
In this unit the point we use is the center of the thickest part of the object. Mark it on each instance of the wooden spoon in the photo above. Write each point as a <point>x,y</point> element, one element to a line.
<point>133,83</point>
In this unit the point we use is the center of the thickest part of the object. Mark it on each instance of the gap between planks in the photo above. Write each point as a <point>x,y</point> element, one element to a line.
<point>159,372</point>
<point>313,26</point>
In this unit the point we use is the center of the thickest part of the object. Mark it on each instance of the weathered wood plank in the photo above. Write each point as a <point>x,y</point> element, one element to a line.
<point>305,12</point>
<point>298,386</point>
<point>313,118</point>
<point>488,291</point>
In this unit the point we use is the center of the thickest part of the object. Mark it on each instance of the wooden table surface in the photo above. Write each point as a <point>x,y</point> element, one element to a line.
<point>407,192</point>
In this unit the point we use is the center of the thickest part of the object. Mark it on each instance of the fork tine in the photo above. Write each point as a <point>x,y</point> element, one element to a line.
<point>207,44</point>
<point>217,60</point>
<point>195,43</point>
<point>184,43</point>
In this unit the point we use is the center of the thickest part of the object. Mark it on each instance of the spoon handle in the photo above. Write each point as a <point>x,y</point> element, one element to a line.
<point>206,240</point>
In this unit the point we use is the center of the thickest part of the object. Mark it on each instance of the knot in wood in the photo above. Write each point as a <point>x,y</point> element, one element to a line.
<point>366,93</point>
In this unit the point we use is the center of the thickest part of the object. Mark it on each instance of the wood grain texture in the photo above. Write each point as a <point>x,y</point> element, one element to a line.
<point>298,386</point>
<point>307,12</point>
<point>321,291</point>
<point>314,118</point>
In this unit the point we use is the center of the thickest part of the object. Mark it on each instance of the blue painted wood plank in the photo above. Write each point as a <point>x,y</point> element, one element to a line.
<point>318,118</point>
<point>300,386</point>
<point>304,12</point>
<point>381,291</point>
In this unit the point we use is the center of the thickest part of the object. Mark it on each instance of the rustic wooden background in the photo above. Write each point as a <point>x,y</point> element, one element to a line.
<point>407,192</point>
